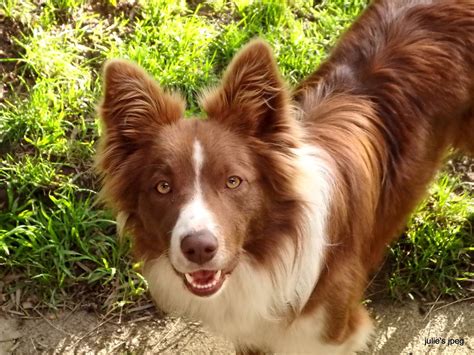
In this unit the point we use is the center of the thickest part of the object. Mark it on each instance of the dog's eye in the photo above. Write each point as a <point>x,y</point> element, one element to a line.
<point>233,182</point>
<point>163,187</point>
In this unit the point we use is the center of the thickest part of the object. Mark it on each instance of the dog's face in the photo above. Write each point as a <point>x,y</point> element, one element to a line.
<point>201,192</point>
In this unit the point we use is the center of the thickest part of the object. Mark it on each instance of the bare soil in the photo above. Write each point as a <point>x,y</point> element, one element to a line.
<point>463,167</point>
<point>400,329</point>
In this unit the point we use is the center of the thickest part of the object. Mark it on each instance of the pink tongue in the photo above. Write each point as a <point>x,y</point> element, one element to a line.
<point>203,276</point>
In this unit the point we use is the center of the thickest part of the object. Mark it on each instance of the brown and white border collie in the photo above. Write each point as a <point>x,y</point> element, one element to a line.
<point>265,219</point>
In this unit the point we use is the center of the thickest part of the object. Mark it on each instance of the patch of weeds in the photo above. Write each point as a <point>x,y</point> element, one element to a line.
<point>173,45</point>
<point>53,240</point>
<point>434,256</point>
<point>28,177</point>
<point>300,34</point>
<point>58,66</point>
<point>62,243</point>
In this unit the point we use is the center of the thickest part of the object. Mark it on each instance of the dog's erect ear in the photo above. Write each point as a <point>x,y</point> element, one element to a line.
<point>134,103</point>
<point>252,98</point>
<point>132,110</point>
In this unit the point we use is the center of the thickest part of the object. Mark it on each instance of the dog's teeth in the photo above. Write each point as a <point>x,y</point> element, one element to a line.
<point>189,278</point>
<point>209,285</point>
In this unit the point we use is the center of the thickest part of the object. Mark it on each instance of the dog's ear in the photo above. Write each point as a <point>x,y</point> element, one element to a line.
<point>132,109</point>
<point>253,98</point>
<point>134,103</point>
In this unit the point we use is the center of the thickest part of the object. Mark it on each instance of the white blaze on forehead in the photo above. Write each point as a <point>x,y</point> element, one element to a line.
<point>198,159</point>
<point>194,215</point>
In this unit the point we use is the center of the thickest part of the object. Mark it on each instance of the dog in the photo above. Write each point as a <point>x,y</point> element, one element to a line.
<point>265,220</point>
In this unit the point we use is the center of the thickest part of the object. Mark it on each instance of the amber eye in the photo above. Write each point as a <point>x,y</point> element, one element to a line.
<point>163,187</point>
<point>233,182</point>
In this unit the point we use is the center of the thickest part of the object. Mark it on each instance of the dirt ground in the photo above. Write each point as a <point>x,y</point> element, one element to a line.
<point>401,329</point>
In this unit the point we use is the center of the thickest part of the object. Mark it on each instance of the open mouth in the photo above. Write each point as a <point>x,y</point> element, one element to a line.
<point>204,282</point>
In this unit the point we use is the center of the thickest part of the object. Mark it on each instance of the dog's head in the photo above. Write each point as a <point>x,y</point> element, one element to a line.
<point>202,192</point>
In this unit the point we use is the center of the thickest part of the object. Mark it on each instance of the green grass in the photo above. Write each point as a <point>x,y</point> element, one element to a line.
<point>54,241</point>
<point>434,256</point>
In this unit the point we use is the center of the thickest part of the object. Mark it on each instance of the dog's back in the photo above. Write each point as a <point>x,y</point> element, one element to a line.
<point>395,93</point>
<point>412,63</point>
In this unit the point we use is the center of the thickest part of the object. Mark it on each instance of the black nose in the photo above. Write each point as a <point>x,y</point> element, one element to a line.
<point>199,247</point>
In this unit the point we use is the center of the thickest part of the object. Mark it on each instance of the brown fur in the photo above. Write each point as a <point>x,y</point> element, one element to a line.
<point>395,93</point>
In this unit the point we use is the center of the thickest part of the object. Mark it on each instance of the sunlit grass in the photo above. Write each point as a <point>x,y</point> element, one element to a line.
<point>434,256</point>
